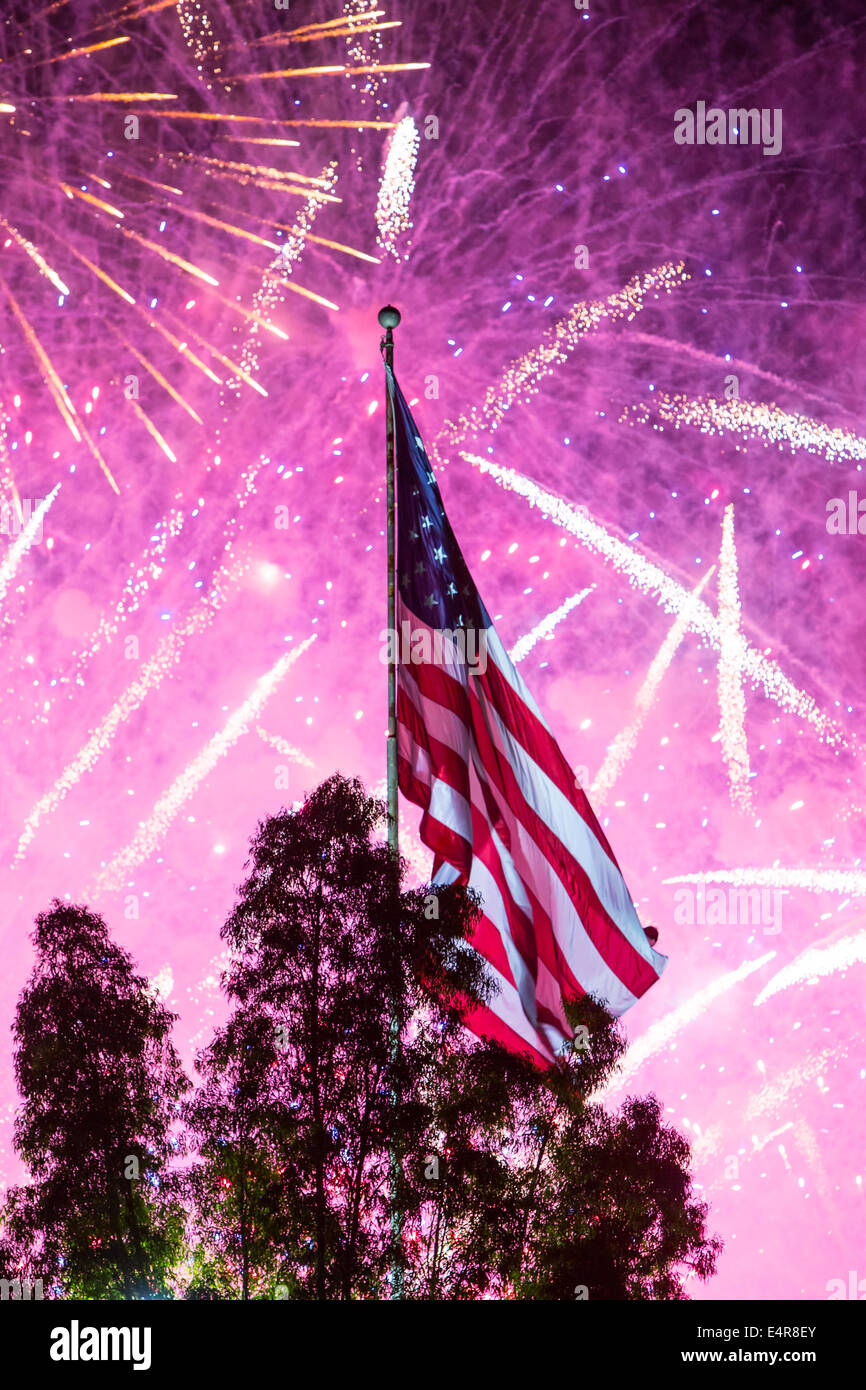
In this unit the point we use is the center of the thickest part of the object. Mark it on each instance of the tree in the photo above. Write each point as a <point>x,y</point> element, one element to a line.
<point>609,1211</point>
<point>239,1123</point>
<point>466,1211</point>
<point>333,963</point>
<point>538,1192</point>
<point>101,1086</point>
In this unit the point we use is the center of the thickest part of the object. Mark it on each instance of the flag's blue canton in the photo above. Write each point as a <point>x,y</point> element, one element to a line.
<point>432,577</point>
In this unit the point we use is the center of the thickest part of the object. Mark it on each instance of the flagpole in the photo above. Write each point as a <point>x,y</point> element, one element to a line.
<point>389,318</point>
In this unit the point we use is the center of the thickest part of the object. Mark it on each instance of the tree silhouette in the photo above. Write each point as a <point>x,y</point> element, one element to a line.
<point>609,1208</point>
<point>240,1223</point>
<point>304,1082</point>
<point>101,1086</point>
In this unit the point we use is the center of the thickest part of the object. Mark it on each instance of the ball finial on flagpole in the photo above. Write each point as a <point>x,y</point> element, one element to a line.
<point>389,317</point>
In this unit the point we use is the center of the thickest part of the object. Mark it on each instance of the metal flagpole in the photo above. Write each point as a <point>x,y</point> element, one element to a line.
<point>389,318</point>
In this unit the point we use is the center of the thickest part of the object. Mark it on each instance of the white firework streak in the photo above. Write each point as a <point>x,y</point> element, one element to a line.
<point>162,983</point>
<point>523,646</point>
<point>850,882</point>
<point>151,831</point>
<point>815,962</point>
<point>775,1095</point>
<point>521,378</point>
<point>396,186</point>
<point>153,673</point>
<point>30,533</point>
<point>661,1034</point>
<point>142,572</point>
<point>623,746</point>
<point>151,564</point>
<point>735,364</point>
<point>416,854</point>
<point>287,749</point>
<point>650,578</point>
<point>768,424</point>
<point>732,699</point>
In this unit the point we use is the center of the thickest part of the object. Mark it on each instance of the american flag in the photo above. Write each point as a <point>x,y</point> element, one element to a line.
<point>502,811</point>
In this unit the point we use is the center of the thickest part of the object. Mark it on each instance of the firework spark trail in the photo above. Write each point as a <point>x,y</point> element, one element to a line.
<point>523,646</point>
<point>155,373</point>
<point>55,386</point>
<point>153,431</point>
<point>142,572</point>
<point>149,569</point>
<point>260,176</point>
<point>328,70</point>
<point>9,495</point>
<point>331,28</point>
<point>732,364</point>
<point>227,362</point>
<point>364,49</point>
<point>776,1095</point>
<point>282,745</point>
<point>152,563</point>
<point>661,1034</point>
<point>623,746</point>
<point>151,831</point>
<point>268,294</point>
<point>235,119</point>
<point>154,672</point>
<point>521,378</point>
<point>651,579</point>
<point>850,882</point>
<point>36,256</point>
<point>30,534</point>
<point>396,187</point>
<point>416,855</point>
<point>769,424</point>
<point>199,38</point>
<point>732,698</point>
<point>179,345</point>
<point>815,963</point>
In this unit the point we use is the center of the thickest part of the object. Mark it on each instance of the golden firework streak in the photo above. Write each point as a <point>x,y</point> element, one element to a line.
<point>152,430</point>
<point>56,387</point>
<point>154,372</point>
<point>339,69</point>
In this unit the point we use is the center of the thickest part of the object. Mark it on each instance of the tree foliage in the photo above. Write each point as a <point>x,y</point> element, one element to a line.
<point>332,963</point>
<point>101,1087</point>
